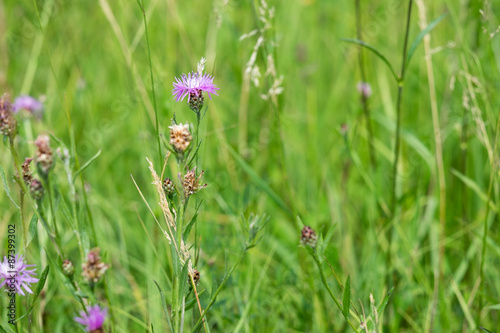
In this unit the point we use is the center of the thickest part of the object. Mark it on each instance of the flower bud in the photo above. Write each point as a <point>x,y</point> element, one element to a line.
<point>44,159</point>
<point>36,190</point>
<point>168,187</point>
<point>8,124</point>
<point>68,268</point>
<point>308,237</point>
<point>26,170</point>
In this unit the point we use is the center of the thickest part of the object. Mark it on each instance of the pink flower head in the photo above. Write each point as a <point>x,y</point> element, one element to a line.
<point>15,274</point>
<point>94,319</point>
<point>28,103</point>
<point>364,89</point>
<point>193,84</point>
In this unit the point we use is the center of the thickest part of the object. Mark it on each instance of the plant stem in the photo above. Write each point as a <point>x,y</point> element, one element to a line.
<point>141,4</point>
<point>364,100</point>
<point>391,278</point>
<point>325,283</point>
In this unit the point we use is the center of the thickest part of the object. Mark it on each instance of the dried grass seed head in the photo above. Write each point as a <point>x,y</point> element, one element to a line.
<point>180,137</point>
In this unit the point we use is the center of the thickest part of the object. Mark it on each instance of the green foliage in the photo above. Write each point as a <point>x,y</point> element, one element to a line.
<point>268,162</point>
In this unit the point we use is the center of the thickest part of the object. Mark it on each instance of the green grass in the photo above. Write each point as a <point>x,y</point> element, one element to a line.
<point>287,159</point>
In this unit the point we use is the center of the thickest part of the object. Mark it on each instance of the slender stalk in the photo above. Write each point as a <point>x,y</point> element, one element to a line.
<point>214,296</point>
<point>391,277</point>
<point>141,4</point>
<point>398,112</point>
<point>493,173</point>
<point>196,247</point>
<point>438,270</point>
<point>364,99</point>
<point>325,283</point>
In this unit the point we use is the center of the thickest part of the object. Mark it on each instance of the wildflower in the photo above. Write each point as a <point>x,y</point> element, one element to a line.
<point>94,268</point>
<point>28,103</point>
<point>196,277</point>
<point>180,137</point>
<point>168,187</point>
<point>68,268</point>
<point>15,274</point>
<point>192,86</point>
<point>93,319</point>
<point>364,89</point>
<point>191,183</point>
<point>44,159</point>
<point>8,124</point>
<point>36,190</point>
<point>308,237</point>
<point>26,170</point>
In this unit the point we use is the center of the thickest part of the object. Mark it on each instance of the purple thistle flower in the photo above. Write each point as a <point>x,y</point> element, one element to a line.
<point>192,85</point>
<point>28,103</point>
<point>17,275</point>
<point>94,320</point>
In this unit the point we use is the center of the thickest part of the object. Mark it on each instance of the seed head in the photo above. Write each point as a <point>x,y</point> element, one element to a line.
<point>180,137</point>
<point>191,183</point>
<point>168,187</point>
<point>36,190</point>
<point>44,159</point>
<point>8,124</point>
<point>94,268</point>
<point>308,237</point>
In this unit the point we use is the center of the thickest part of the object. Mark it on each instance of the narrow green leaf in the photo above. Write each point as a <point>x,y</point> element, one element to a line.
<point>2,330</point>
<point>374,50</point>
<point>38,290</point>
<point>189,226</point>
<point>346,297</point>
<point>421,36</point>
<point>382,305</point>
<point>475,187</point>
<point>484,329</point>
<point>6,187</point>
<point>86,165</point>
<point>259,181</point>
<point>32,228</point>
<point>164,305</point>
<point>189,305</point>
<point>152,329</point>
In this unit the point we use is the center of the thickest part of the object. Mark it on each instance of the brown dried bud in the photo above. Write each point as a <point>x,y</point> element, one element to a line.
<point>196,277</point>
<point>26,170</point>
<point>308,237</point>
<point>180,137</point>
<point>94,269</point>
<point>44,159</point>
<point>36,189</point>
<point>191,183</point>
<point>8,124</point>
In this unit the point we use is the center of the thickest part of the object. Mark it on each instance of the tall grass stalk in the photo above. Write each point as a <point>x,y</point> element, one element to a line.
<point>141,5</point>
<point>364,99</point>
<point>438,269</point>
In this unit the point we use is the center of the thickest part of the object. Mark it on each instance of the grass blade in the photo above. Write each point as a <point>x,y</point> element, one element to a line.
<point>421,36</point>
<point>346,298</point>
<point>259,181</point>
<point>6,187</point>
<point>89,162</point>
<point>374,50</point>
<point>164,305</point>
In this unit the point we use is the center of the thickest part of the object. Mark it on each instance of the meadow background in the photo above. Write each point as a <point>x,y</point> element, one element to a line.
<point>300,157</point>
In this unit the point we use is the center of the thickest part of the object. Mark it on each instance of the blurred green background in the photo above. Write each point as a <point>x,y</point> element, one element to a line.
<point>293,163</point>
